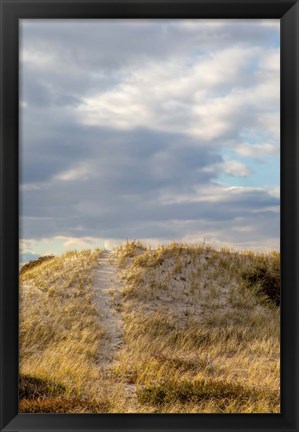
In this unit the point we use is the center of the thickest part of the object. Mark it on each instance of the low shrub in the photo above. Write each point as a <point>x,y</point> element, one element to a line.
<point>33,263</point>
<point>31,387</point>
<point>266,282</point>
<point>38,395</point>
<point>186,392</point>
<point>60,405</point>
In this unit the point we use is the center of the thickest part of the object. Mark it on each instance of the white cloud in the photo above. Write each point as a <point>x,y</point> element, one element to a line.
<point>58,244</point>
<point>270,63</point>
<point>270,123</point>
<point>236,169</point>
<point>37,57</point>
<point>33,186</point>
<point>81,172</point>
<point>128,126</point>
<point>174,96</point>
<point>257,150</point>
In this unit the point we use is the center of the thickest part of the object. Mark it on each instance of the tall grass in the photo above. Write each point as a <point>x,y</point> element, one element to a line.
<point>59,335</point>
<point>201,335</point>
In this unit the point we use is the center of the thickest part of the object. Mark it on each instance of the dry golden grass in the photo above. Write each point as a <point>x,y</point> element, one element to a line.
<point>201,333</point>
<point>200,336</point>
<point>60,331</point>
<point>43,396</point>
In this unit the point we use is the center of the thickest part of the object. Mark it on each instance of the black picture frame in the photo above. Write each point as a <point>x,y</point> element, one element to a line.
<point>288,13</point>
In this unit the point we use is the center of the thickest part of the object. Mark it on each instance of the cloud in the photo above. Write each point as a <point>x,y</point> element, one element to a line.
<point>127,127</point>
<point>80,172</point>
<point>236,169</point>
<point>176,96</point>
<point>144,215</point>
<point>257,150</point>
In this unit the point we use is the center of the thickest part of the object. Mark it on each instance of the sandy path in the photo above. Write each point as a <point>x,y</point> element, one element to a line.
<point>107,290</point>
<point>108,297</point>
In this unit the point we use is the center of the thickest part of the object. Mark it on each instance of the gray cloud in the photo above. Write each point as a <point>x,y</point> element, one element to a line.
<point>83,57</point>
<point>101,148</point>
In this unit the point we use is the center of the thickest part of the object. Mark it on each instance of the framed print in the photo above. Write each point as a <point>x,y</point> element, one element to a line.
<point>149,206</point>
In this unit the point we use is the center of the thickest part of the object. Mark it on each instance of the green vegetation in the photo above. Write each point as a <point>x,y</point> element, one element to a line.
<point>264,278</point>
<point>195,392</point>
<point>33,263</point>
<point>41,396</point>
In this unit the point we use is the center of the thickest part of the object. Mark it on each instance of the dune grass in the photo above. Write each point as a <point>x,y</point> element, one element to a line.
<point>59,335</point>
<point>201,329</point>
<point>201,333</point>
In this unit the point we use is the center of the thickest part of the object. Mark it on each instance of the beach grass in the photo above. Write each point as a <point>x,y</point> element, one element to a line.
<point>201,332</point>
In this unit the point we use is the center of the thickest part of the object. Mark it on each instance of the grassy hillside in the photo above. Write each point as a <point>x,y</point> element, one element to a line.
<point>201,333</point>
<point>201,328</point>
<point>60,327</point>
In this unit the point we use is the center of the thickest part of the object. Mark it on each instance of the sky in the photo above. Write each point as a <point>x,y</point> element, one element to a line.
<point>156,130</point>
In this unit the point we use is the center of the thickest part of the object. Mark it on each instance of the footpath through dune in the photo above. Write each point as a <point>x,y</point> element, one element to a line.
<point>107,289</point>
<point>107,295</point>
